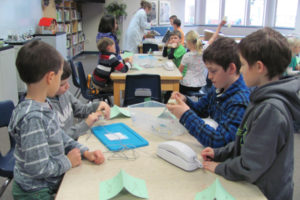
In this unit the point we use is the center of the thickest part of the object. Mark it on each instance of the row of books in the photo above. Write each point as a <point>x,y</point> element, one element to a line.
<point>65,15</point>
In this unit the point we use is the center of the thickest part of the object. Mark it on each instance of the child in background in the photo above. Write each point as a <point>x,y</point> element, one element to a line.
<point>196,71</point>
<point>263,151</point>
<point>225,103</point>
<point>43,151</point>
<point>176,25</point>
<point>173,49</point>
<point>68,107</point>
<point>294,45</point>
<point>107,28</point>
<point>108,63</point>
<point>171,18</point>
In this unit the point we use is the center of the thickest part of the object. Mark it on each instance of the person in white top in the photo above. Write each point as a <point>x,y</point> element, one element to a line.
<point>196,72</point>
<point>138,24</point>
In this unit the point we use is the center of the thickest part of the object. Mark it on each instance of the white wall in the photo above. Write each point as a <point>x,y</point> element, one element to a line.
<point>18,16</point>
<point>92,13</point>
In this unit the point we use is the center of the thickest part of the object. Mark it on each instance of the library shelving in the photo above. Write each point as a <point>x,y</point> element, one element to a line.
<point>68,17</point>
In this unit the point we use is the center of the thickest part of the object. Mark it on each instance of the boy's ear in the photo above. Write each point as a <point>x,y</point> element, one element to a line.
<point>231,68</point>
<point>261,68</point>
<point>50,77</point>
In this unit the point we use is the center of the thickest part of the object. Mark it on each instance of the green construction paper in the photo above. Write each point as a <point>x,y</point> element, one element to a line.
<point>118,111</point>
<point>112,187</point>
<point>136,66</point>
<point>214,191</point>
<point>127,55</point>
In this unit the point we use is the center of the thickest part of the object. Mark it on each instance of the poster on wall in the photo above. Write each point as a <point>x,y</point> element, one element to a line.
<point>153,16</point>
<point>164,12</point>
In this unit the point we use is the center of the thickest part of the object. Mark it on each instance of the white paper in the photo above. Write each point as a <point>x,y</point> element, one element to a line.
<point>116,136</point>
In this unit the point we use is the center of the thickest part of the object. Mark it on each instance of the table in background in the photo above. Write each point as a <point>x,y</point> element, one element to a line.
<point>169,79</point>
<point>164,181</point>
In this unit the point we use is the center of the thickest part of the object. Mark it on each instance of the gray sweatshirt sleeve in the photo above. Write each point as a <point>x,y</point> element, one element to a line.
<point>36,151</point>
<point>223,153</point>
<point>265,136</point>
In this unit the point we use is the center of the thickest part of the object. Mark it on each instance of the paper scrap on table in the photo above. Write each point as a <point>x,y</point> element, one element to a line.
<point>116,136</point>
<point>136,66</point>
<point>126,55</point>
<point>118,111</point>
<point>135,186</point>
<point>214,191</point>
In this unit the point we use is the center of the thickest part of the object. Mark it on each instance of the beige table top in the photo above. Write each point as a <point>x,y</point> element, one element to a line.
<point>157,69</point>
<point>164,181</point>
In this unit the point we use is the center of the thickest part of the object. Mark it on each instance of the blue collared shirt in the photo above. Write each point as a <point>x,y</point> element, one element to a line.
<point>227,109</point>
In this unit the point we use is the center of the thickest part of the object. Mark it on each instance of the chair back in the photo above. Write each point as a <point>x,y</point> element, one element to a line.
<point>75,78</point>
<point>85,91</point>
<point>148,46</point>
<point>142,86</point>
<point>7,162</point>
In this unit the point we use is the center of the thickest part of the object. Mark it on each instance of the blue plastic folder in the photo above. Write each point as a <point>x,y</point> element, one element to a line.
<point>118,137</point>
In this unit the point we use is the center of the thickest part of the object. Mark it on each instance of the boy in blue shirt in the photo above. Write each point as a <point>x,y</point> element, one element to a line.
<point>263,151</point>
<point>43,151</point>
<point>225,103</point>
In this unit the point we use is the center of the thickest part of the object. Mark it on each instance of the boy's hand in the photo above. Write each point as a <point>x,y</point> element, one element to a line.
<point>179,108</point>
<point>210,165</point>
<point>74,157</point>
<point>94,156</point>
<point>208,154</point>
<point>173,45</point>
<point>104,108</point>
<point>223,22</point>
<point>92,118</point>
<point>179,95</point>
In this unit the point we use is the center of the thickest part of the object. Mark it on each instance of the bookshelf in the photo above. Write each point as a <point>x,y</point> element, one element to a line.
<point>68,17</point>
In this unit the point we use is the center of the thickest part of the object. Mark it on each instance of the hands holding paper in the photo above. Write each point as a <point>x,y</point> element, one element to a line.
<point>104,109</point>
<point>208,154</point>
<point>179,107</point>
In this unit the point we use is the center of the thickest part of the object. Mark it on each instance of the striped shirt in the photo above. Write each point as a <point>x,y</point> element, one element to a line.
<point>227,109</point>
<point>41,146</point>
<point>108,63</point>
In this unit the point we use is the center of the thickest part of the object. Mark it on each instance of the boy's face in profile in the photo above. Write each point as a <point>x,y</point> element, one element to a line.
<point>111,48</point>
<point>249,73</point>
<point>174,39</point>
<point>217,75</point>
<point>64,86</point>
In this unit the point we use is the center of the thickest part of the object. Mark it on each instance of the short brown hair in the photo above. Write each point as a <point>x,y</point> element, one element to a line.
<point>223,51</point>
<point>175,33</point>
<point>269,47</point>
<point>66,71</point>
<point>146,4</point>
<point>103,43</point>
<point>35,59</point>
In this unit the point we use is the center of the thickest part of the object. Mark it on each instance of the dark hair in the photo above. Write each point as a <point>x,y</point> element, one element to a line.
<point>35,59</point>
<point>173,17</point>
<point>67,71</point>
<point>268,46</point>
<point>175,33</point>
<point>177,22</point>
<point>223,52</point>
<point>103,43</point>
<point>146,4</point>
<point>107,24</point>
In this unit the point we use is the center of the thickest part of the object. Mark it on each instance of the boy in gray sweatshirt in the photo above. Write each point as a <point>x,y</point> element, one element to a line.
<point>68,107</point>
<point>43,151</point>
<point>263,151</point>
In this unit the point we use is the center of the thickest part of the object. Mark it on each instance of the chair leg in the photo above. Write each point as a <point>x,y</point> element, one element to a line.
<point>4,186</point>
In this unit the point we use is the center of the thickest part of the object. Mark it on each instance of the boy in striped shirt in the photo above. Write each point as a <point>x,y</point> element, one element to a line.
<point>43,151</point>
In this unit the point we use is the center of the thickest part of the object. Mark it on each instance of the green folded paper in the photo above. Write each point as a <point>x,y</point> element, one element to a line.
<point>118,111</point>
<point>136,66</point>
<point>135,186</point>
<point>126,55</point>
<point>214,191</point>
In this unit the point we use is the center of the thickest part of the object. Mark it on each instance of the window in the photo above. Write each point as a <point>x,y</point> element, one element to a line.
<point>212,12</point>
<point>286,13</point>
<point>235,11</point>
<point>256,12</point>
<point>189,17</point>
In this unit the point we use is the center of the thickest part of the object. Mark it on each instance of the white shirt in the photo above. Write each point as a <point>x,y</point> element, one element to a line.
<point>196,70</point>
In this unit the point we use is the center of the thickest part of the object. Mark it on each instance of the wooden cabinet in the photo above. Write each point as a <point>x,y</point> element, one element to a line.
<point>68,19</point>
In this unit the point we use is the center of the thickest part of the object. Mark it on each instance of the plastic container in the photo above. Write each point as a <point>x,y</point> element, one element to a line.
<point>154,117</point>
<point>144,60</point>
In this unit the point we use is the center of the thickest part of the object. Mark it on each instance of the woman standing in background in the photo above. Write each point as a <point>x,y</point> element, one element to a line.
<point>138,24</point>
<point>107,28</point>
